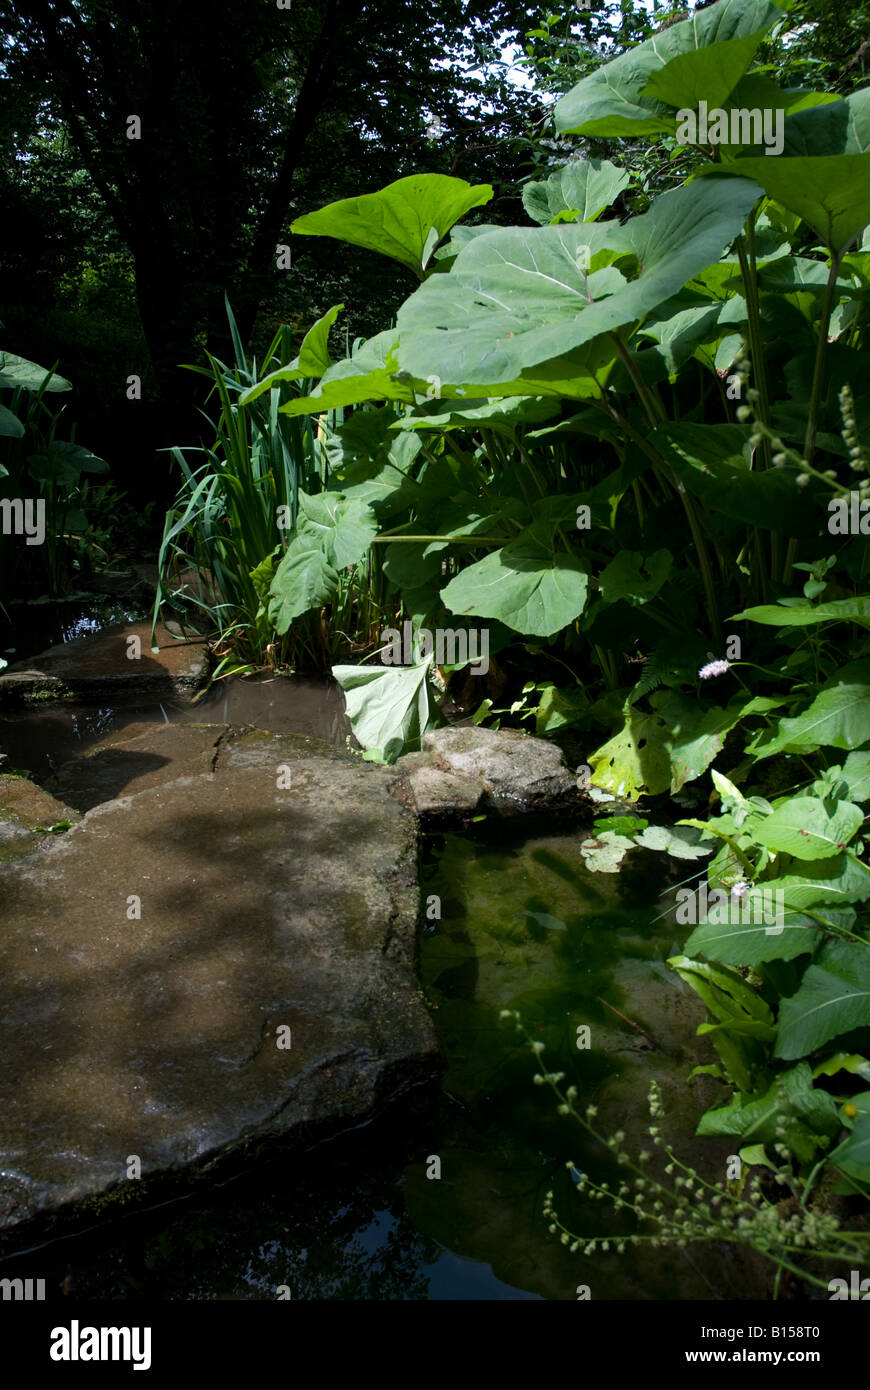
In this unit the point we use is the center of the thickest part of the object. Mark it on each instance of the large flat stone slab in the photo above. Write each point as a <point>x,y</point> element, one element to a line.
<point>99,665</point>
<point>276,880</point>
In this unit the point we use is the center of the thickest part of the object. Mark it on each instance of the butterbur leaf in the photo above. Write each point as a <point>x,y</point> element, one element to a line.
<point>585,187</point>
<point>10,425</point>
<point>524,295</point>
<point>528,585</point>
<point>18,371</point>
<point>619,97</point>
<point>312,361</point>
<point>388,706</point>
<point>834,998</point>
<point>332,531</point>
<point>831,193</point>
<point>398,220</point>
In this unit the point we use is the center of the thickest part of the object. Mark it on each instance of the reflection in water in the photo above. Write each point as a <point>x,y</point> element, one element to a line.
<point>42,740</point>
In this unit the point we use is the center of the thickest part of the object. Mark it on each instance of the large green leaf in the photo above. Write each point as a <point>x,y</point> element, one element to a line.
<point>792,1111</point>
<point>635,760</point>
<point>834,127</point>
<point>805,828</point>
<point>581,191</point>
<point>624,577</point>
<point>369,374</point>
<point>388,706</point>
<point>696,735</point>
<point>312,361</point>
<point>855,610</point>
<point>744,937</point>
<point>10,425</point>
<point>398,220</point>
<point>713,462</point>
<point>853,1155</point>
<point>524,295</point>
<point>619,97</point>
<point>332,531</point>
<point>834,998</point>
<point>703,74</point>
<point>839,717</point>
<point>856,775</point>
<point>830,192</point>
<point>528,585</point>
<point>18,371</point>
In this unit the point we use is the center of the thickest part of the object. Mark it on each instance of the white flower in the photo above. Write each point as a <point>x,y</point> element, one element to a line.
<point>714,668</point>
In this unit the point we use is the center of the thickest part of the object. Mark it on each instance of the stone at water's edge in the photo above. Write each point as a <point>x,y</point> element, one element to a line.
<point>262,908</point>
<point>460,767</point>
<point>96,665</point>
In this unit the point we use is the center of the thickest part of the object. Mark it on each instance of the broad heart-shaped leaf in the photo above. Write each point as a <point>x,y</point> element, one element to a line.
<point>613,100</point>
<point>344,526</point>
<point>703,74</point>
<point>304,579</point>
<point>398,219</point>
<point>805,828</point>
<point>388,706</point>
<point>10,425</point>
<point>369,374</point>
<point>838,127</point>
<point>528,585</point>
<point>712,462</point>
<point>635,760</point>
<point>839,717</point>
<point>624,578</point>
<point>523,295</point>
<point>805,1114</point>
<point>855,610</point>
<point>18,371</point>
<point>313,359</point>
<point>585,187</point>
<point>695,735</point>
<point>853,1155</point>
<point>834,998</point>
<point>332,531</point>
<point>830,192</point>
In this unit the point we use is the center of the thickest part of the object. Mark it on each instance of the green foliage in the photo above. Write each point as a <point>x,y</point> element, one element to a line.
<point>41,470</point>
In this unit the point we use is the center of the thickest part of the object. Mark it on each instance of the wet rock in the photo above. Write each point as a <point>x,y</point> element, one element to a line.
<point>92,666</point>
<point>27,813</point>
<point>222,954</point>
<point>438,794</point>
<point>511,765</point>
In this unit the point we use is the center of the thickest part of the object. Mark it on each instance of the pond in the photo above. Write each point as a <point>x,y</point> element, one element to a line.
<point>523,925</point>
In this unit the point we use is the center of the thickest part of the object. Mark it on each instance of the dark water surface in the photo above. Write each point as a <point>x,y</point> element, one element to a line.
<point>523,925</point>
